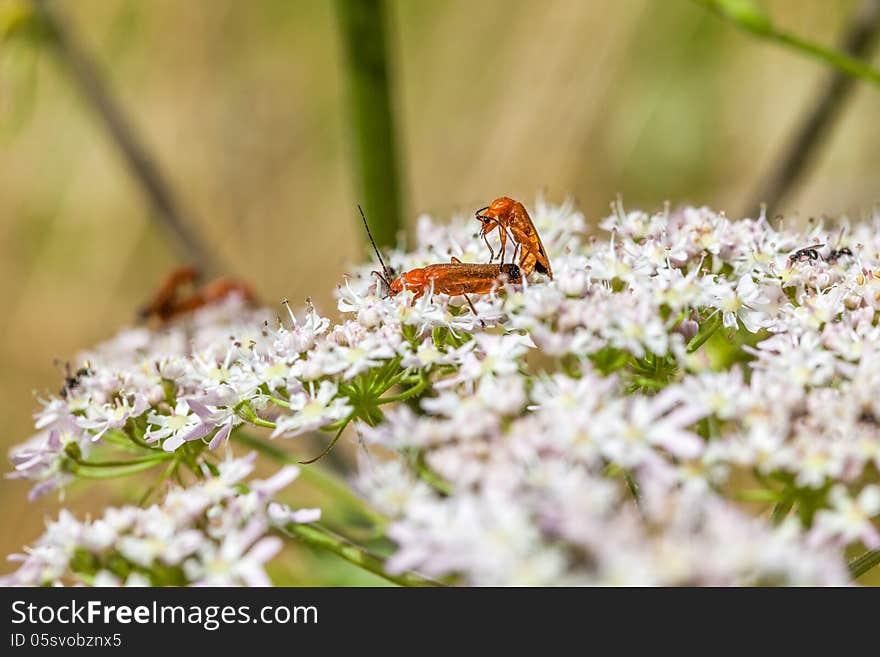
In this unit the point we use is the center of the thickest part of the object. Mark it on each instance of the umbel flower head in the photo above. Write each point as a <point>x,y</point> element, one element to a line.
<point>687,402</point>
<point>212,533</point>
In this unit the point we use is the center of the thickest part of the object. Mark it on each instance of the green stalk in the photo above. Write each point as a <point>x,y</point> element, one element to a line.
<point>406,394</point>
<point>314,475</point>
<point>373,138</point>
<point>864,563</point>
<point>327,449</point>
<point>91,472</point>
<point>318,537</point>
<point>154,458</point>
<point>749,16</point>
<point>706,331</point>
<point>841,61</point>
<point>124,441</point>
<point>781,510</point>
<point>430,477</point>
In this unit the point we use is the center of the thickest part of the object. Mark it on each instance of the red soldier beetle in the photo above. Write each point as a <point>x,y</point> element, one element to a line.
<point>512,220</point>
<point>454,278</point>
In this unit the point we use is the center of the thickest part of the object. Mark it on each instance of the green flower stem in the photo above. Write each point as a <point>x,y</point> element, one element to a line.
<point>90,472</point>
<point>327,449</point>
<point>89,78</point>
<point>841,61</point>
<point>246,412</point>
<point>712,425</point>
<point>321,538</point>
<point>750,17</point>
<point>406,394</point>
<point>706,331</point>
<point>123,440</point>
<point>135,434</point>
<point>371,114</point>
<point>757,495</point>
<point>864,563</point>
<point>430,477</point>
<point>338,425</point>
<point>169,471</point>
<point>781,510</point>
<point>314,475</point>
<point>632,487</point>
<point>154,458</point>
<point>279,402</point>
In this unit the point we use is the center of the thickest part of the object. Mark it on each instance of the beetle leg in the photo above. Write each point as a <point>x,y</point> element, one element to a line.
<point>489,246</point>
<point>474,310</point>
<point>503,232</point>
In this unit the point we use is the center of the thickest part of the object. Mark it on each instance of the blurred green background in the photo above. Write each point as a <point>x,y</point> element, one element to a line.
<point>243,106</point>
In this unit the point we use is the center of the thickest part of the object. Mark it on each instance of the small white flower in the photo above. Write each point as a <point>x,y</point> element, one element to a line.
<point>312,410</point>
<point>745,303</point>
<point>849,520</point>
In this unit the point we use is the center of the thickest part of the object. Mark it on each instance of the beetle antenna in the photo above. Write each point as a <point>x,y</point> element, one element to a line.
<point>388,272</point>
<point>381,278</point>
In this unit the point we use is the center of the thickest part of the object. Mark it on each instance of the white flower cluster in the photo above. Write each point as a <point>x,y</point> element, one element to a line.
<point>601,427</point>
<point>208,534</point>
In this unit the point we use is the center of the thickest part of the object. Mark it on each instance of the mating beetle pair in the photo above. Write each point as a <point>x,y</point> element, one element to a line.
<point>457,278</point>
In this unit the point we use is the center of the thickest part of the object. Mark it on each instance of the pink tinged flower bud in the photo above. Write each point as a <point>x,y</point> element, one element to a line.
<point>687,329</point>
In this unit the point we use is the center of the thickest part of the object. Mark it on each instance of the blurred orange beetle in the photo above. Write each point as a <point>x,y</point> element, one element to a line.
<point>169,301</point>
<point>511,219</point>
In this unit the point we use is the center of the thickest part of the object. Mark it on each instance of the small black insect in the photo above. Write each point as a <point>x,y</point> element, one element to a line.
<point>806,254</point>
<point>835,254</point>
<point>72,379</point>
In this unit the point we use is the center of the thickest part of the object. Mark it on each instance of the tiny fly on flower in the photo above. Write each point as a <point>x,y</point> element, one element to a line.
<point>169,301</point>
<point>512,220</point>
<point>806,254</point>
<point>72,379</point>
<point>839,251</point>
<point>454,278</point>
<point>836,254</point>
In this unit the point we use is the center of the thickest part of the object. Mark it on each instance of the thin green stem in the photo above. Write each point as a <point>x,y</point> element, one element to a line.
<point>781,510</point>
<point>89,78</point>
<point>169,471</point>
<point>707,331</point>
<point>712,425</point>
<point>757,495</point>
<point>123,440</point>
<point>327,449</point>
<point>749,16</point>
<point>864,563</point>
<point>430,477</point>
<point>321,538</point>
<point>406,394</point>
<point>123,462</point>
<point>821,114</point>
<point>632,487</point>
<point>340,424</point>
<point>841,61</point>
<point>109,473</point>
<point>314,475</point>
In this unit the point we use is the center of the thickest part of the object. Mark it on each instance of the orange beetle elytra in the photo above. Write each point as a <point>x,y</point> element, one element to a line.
<point>511,219</point>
